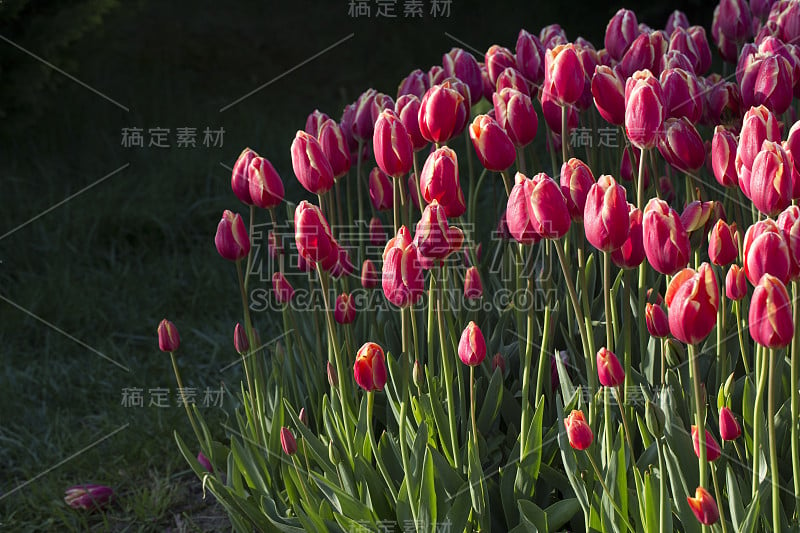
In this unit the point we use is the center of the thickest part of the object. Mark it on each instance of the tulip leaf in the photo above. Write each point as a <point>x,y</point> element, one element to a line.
<point>491,403</point>
<point>734,499</point>
<point>477,481</point>
<point>560,513</point>
<point>427,493</point>
<point>317,451</point>
<point>680,489</point>
<point>753,510</point>
<point>376,486</point>
<point>390,456</point>
<point>458,514</point>
<point>532,516</point>
<point>342,501</point>
<point>508,497</point>
<point>531,461</point>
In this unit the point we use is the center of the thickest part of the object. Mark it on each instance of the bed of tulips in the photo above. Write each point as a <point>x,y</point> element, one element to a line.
<point>534,332</point>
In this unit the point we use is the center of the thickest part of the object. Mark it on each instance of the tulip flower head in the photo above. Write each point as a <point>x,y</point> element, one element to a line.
<point>609,369</point>
<point>644,109</point>
<point>239,176</point>
<point>345,310</point>
<point>169,340</point>
<point>288,442</point>
<point>770,318</point>
<point>402,280</point>
<point>231,239</point>
<point>576,179</point>
<point>434,238</point>
<point>310,165</point>
<point>606,216</point>
<point>472,346</point>
<point>656,320</point>
<point>88,497</point>
<point>370,367</point>
<point>666,241</point>
<point>729,428</point>
<point>266,186</point>
<point>735,283</point>
<point>703,506</point>
<point>712,446</point>
<point>579,433</point>
<point>391,144</point>
<point>473,288</point>
<point>692,300</point>
<point>495,150</point>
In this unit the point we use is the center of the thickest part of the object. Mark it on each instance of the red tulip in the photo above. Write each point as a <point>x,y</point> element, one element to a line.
<point>606,215</point>
<point>729,428</point>
<point>609,369</point>
<point>692,299</point>
<point>578,431</point>
<point>770,317</point>
<point>439,181</point>
<point>433,237</point>
<point>608,92</point>
<point>723,157</point>
<point>621,30</point>
<point>334,145</point>
<point>510,78</point>
<point>240,341</point>
<point>498,59</point>
<point>204,462</point>
<point>735,283</point>
<point>495,150</point>
<point>723,101</point>
<point>576,181</point>
<point>403,282</point>
<point>313,236</point>
<point>722,244</point>
<point>514,112</point>
<point>645,53</point>
<point>231,239</point>
<point>701,52</point>
<point>517,217</point>
<point>530,57</point>
<point>696,215</point>
<point>473,288</point>
<point>370,278</point>
<point>683,94</point>
<point>284,292</point>
<point>789,224</point>
<point>377,233</point>
<point>552,35</point>
<point>459,63</point>
<point>310,164</point>
<point>631,253</point>
<point>703,506</point>
<point>407,108</point>
<point>771,179</point>
<point>88,497</point>
<point>381,190</point>
<point>767,79</point>
<point>169,340</point>
<point>345,310</point>
<point>712,446</point>
<point>675,59</point>
<point>644,110</point>
<point>266,186</point>
<point>681,145</point>
<point>240,176</point>
<point>759,124</point>
<point>370,367</point>
<point>440,113</point>
<point>656,320</point>
<point>563,73</point>
<point>288,442</point>
<point>392,145</point>
<point>765,252</point>
<point>472,346</point>
<point>676,19</point>
<point>548,208</point>
<point>666,241</point>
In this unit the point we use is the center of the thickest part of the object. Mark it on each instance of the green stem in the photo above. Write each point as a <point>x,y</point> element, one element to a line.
<point>718,495</point>
<point>625,425</point>
<point>542,354</point>
<point>795,401</point>
<point>608,492</point>
<point>359,185</point>
<point>662,487</point>
<point>448,373</point>
<point>758,408</point>
<point>526,378</point>
<point>737,306</point>
<point>607,299</point>
<point>564,137</point>
<point>472,406</point>
<point>404,457</point>
<point>373,443</point>
<point>185,404</point>
<point>773,445</point>
<point>699,411</point>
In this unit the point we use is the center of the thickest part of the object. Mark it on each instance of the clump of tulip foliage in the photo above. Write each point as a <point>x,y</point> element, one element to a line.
<point>635,297</point>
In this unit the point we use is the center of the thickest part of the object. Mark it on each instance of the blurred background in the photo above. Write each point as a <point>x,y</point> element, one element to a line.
<point>83,285</point>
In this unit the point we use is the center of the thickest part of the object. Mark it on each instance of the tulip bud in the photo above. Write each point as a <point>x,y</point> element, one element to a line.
<point>703,506</point>
<point>240,174</point>
<point>240,341</point>
<point>692,300</point>
<point>696,215</point>
<point>654,418</point>
<point>606,216</point>
<point>231,239</point>
<point>517,217</point>
<point>436,75</point>
<point>631,253</point>
<point>204,462</point>
<point>377,233</point>
<point>628,165</point>
<point>495,150</point>
<point>609,369</point>
<point>498,59</point>
<point>683,95</point>
<point>729,428</point>
<point>407,108</point>
<point>439,181</point>
<point>392,145</point>
<point>552,111</point>
<point>608,92</point>
<point>473,288</point>
<point>314,121</point>
<point>440,112</point>
<point>771,179</point>
<point>722,247</point>
<point>514,112</point>
<point>548,208</point>
<point>498,361</point>
<point>343,265</point>
<point>88,497</point>
<point>576,181</point>
<point>723,157</point>
<point>370,278</point>
<point>765,252</point>
<point>433,237</point>
<point>727,48</point>
<point>700,50</point>
<point>288,442</point>
<point>381,190</point>
<point>382,102</point>
<point>313,236</point>
<point>416,83</point>
<point>459,63</point>
<point>767,80</point>
<point>645,53</point>
<point>676,19</point>
<point>621,30</point>
<point>403,282</point>
<point>345,310</point>
<point>530,57</point>
<point>510,78</point>
<point>310,164</point>
<point>681,145</point>
<point>472,346</point>
<point>563,73</point>
<point>552,35</point>
<point>266,186</point>
<point>666,242</point>
<point>676,355</point>
<point>734,20</point>
<point>334,146</point>
<point>789,224</point>
<point>168,338</point>
<point>284,292</point>
<point>644,110</point>
<point>712,447</point>
<point>370,367</point>
<point>735,283</point>
<point>770,317</point>
<point>362,120</point>
<point>578,431</point>
<point>759,124</point>
<point>333,379</point>
<point>656,320</point>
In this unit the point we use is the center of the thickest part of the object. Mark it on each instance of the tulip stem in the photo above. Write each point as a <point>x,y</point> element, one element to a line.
<point>761,373</point>
<point>247,362</point>
<point>718,495</point>
<point>250,254</point>
<point>564,136</point>
<point>662,487</point>
<point>526,375</point>
<point>773,445</point>
<point>472,406</point>
<point>358,181</point>
<point>506,182</point>
<point>378,460</point>
<point>618,393</point>
<point>396,202</point>
<point>542,353</point>
<point>608,492</point>
<point>404,456</point>
<point>447,371</point>
<point>795,401</point>
<point>742,345</point>
<point>699,406</point>
<point>607,298</point>
<point>185,403</point>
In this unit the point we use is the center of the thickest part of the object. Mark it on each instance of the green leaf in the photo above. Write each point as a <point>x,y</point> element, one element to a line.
<point>734,499</point>
<point>477,482</point>
<point>427,494</point>
<point>560,513</point>
<point>534,518</point>
<point>491,403</point>
<point>531,462</point>
<point>343,502</point>
<point>754,509</point>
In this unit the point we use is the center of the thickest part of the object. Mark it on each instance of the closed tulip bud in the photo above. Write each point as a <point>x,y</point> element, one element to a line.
<point>473,288</point>
<point>439,181</point>
<point>734,20</point>
<point>370,367</point>
<point>314,121</point>
<point>683,94</point>
<point>169,340</point>
<point>416,83</point>
<point>735,283</point>
<point>288,442</point>
<point>702,59</point>
<point>681,145</point>
<point>362,118</point>
<point>240,176</point>
<point>552,111</point>
<point>231,239</point>
<point>495,150</point>
<point>240,341</point>
<point>766,252</point>
<point>510,78</point>
<point>334,145</point>
<point>621,30</point>
<point>578,431</point>
<point>656,320</point>
<point>629,164</point>
<point>675,59</point>
<point>722,244</point>
<point>724,102</point>
<point>759,125</point>
<point>552,35</point>
<point>514,112</point>
<point>436,75</point>
<point>770,317</point>
<point>472,346</point>
<point>333,379</point>
<point>434,238</point>
<point>608,92</point>
<point>692,299</point>
<point>703,506</point>
<point>644,53</point>
<point>88,497</point>
<point>676,354</point>
<point>459,63</point>
<point>497,59</point>
<point>440,112</point>
<point>266,186</point>
<point>789,225</point>
<point>609,369</point>
<point>284,292</point>
<point>792,148</point>
<point>644,110</point>
<point>576,180</point>
<point>407,108</point>
<point>761,8</point>
<point>727,48</point>
<point>310,164</point>
<point>530,57</point>
<point>696,215</point>
<point>712,446</point>
<point>631,253</point>
<point>729,428</point>
<point>723,157</point>
<point>767,80</point>
<point>303,416</point>
<point>518,217</point>
<point>313,236</point>
<point>548,211</point>
<point>771,179</point>
<point>676,19</point>
<point>563,72</point>
<point>370,277</point>
<point>204,462</point>
<point>666,242</point>
<point>345,310</point>
<point>382,102</point>
<point>381,190</point>
<point>377,233</point>
<point>665,188</point>
<point>392,145</point>
<point>606,215</point>
<point>402,281</point>
<point>654,418</point>
<point>788,21</point>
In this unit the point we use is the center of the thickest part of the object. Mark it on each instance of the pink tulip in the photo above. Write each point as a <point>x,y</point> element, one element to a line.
<point>771,179</point>
<point>370,277</point>
<point>495,150</point>
<point>759,124</point>
<point>734,20</point>
<point>473,288</point>
<point>676,19</point>
<point>334,145</point>
<point>683,95</point>
<point>434,238</point>
<point>416,83</point>
<point>288,442</point>
<point>498,59</point>
<point>576,180</point>
<point>713,450</point>
<point>313,236</point>
<point>621,30</point>
<point>606,217</point>
<point>266,186</point>
<point>369,369</point>
<point>381,190</point>
<point>644,110</point>
<point>231,239</point>
<point>88,497</point>
<point>681,145</point>
<point>631,253</point>
<point>392,145</point>
<point>439,180</point>
<point>645,53</point>
<point>729,428</point>
<point>403,281</point>
<point>169,340</point>
<point>514,112</point>
<point>666,241</point>
<point>722,244</point>
<point>240,340</point>
<point>240,176</point>
<point>770,317</point>
<point>517,217</point>
<point>510,78</point>
<point>459,63</point>
<point>314,121</point>
<point>284,292</point>
<point>789,224</point>
<point>530,57</point>
<point>735,283</point>
<point>472,346</point>
<point>609,369</point>
<point>310,165</point>
<point>345,310</point>
<point>608,92</point>
<point>692,299</point>
<point>440,113</point>
<point>564,73</point>
<point>723,157</point>
<point>407,108</point>
<point>656,320</point>
<point>579,433</point>
<point>767,80</point>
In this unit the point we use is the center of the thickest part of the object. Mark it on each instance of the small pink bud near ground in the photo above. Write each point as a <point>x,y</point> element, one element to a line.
<point>288,442</point>
<point>473,288</point>
<point>88,497</point>
<point>240,341</point>
<point>169,340</point>
<point>345,310</point>
<point>578,431</point>
<point>204,462</point>
<point>498,361</point>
